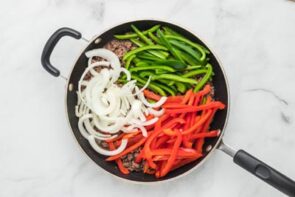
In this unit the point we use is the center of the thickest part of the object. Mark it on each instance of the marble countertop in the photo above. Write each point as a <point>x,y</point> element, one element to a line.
<point>254,40</point>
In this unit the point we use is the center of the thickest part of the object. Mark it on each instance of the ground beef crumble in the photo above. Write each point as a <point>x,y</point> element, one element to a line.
<point>119,47</point>
<point>129,161</point>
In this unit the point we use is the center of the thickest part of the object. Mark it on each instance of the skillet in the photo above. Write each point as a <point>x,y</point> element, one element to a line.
<point>240,157</point>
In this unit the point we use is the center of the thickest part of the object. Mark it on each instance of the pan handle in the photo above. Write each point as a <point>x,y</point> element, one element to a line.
<point>261,170</point>
<point>51,43</point>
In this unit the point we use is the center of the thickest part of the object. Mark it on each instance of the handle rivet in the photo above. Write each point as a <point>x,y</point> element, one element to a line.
<point>71,87</point>
<point>208,148</point>
<point>97,40</point>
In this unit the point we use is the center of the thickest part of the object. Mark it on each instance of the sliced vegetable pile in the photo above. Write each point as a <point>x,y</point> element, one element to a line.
<point>172,61</point>
<point>161,126</point>
<point>177,137</point>
<point>105,108</point>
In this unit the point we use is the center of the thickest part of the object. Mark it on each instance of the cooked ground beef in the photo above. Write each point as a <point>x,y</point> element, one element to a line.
<point>119,47</point>
<point>103,144</point>
<point>128,161</point>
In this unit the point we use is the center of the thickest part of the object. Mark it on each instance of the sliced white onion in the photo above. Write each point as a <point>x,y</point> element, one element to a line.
<point>104,106</point>
<point>83,132</point>
<point>150,122</point>
<point>141,117</point>
<point>143,130</point>
<point>90,130</point>
<point>129,129</point>
<point>103,151</point>
<point>144,87</point>
<point>127,73</point>
<point>110,57</point>
<point>155,112</point>
<point>153,105</point>
<point>99,63</point>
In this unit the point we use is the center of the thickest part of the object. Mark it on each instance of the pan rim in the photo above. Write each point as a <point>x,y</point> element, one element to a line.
<point>96,36</point>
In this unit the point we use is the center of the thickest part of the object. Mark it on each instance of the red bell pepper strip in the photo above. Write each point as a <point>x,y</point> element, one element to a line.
<point>174,105</point>
<point>127,150</point>
<point>161,141</point>
<point>187,96</point>
<point>181,152</point>
<point>191,129</point>
<point>214,133</point>
<point>130,135</point>
<point>119,161</point>
<point>116,138</point>
<point>215,104</point>
<point>205,128</point>
<point>154,134</point>
<point>183,162</point>
<point>151,95</point>
<point>172,157</point>
<point>135,139</point>
<point>138,158</point>
<point>178,157</point>
<point>174,99</point>
<point>173,122</point>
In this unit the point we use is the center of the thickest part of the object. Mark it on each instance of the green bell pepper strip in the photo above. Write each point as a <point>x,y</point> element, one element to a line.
<point>195,72</point>
<point>164,54</point>
<point>128,61</point>
<point>193,67</point>
<point>136,60</point>
<point>141,64</point>
<point>195,45</point>
<point>142,36</point>
<point>178,65</point>
<point>160,71</point>
<point>180,87</point>
<point>144,48</point>
<point>173,88</point>
<point>159,54</point>
<point>168,45</point>
<point>146,74</point>
<point>189,59</point>
<point>151,85</point>
<point>175,78</point>
<point>187,49</point>
<point>169,31</point>
<point>137,42</point>
<point>154,38</point>
<point>167,82</point>
<point>148,56</point>
<point>204,79</point>
<point>146,61</point>
<point>167,89</point>
<point>169,62</point>
<point>151,67</point>
<point>134,35</point>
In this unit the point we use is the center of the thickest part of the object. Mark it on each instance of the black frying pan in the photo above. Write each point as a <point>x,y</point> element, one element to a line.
<point>242,158</point>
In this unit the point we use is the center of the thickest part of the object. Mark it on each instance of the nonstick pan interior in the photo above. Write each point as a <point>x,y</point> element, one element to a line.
<point>221,94</point>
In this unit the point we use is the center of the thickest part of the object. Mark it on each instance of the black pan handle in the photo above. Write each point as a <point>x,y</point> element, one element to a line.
<point>265,172</point>
<point>260,170</point>
<point>50,44</point>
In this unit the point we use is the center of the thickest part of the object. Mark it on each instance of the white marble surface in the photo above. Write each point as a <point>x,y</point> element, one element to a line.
<point>255,40</point>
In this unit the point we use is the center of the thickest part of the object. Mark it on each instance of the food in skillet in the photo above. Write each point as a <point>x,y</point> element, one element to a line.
<point>145,100</point>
